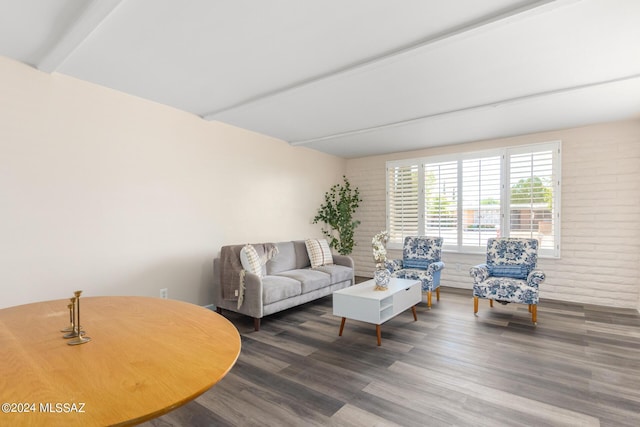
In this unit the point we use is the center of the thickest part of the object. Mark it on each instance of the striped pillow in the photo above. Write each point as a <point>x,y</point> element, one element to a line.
<point>319,252</point>
<point>513,271</point>
<point>251,260</point>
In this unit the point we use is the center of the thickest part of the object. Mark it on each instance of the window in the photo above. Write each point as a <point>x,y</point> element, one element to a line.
<point>470,197</point>
<point>402,201</point>
<point>440,201</point>
<point>481,200</point>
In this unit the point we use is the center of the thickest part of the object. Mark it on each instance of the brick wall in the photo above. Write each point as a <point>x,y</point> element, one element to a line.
<point>600,224</point>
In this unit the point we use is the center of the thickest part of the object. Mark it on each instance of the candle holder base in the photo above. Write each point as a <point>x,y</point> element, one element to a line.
<point>72,334</point>
<point>79,340</point>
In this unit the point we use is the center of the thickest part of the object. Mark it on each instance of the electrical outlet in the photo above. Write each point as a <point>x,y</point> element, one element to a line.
<point>164,293</point>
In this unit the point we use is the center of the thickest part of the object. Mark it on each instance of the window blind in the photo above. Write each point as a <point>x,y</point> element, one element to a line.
<point>402,202</point>
<point>481,200</point>
<point>467,198</point>
<point>441,200</point>
<point>531,188</point>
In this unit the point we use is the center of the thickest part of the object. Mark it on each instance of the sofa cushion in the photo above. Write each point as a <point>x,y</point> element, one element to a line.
<point>319,252</point>
<point>338,273</point>
<point>302,256</point>
<point>250,260</point>
<point>507,289</point>
<point>310,279</point>
<point>285,260</point>
<point>278,288</point>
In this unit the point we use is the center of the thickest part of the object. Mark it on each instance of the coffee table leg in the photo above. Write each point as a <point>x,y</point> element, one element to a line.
<point>342,326</point>
<point>415,316</point>
<point>378,334</point>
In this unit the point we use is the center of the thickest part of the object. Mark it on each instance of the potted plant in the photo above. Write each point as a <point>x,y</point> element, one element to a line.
<point>340,203</point>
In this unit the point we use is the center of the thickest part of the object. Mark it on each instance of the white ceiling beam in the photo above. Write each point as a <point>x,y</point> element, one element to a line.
<point>494,104</point>
<point>96,12</point>
<point>450,36</point>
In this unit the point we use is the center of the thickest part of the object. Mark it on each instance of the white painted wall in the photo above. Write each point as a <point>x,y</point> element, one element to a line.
<point>600,261</point>
<point>116,195</point>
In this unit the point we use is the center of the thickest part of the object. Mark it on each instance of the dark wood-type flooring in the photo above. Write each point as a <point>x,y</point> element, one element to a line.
<point>580,366</point>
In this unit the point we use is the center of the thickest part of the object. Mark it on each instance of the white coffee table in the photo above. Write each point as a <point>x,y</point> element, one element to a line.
<point>361,302</point>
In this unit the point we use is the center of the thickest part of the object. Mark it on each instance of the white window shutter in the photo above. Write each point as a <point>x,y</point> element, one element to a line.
<point>402,202</point>
<point>441,201</point>
<point>532,199</point>
<point>481,190</point>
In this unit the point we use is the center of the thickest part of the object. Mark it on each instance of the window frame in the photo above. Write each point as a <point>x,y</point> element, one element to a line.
<point>504,154</point>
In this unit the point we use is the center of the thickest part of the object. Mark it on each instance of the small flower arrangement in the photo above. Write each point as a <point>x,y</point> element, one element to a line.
<point>379,250</point>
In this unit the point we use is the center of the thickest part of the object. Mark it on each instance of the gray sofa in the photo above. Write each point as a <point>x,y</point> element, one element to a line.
<point>288,280</point>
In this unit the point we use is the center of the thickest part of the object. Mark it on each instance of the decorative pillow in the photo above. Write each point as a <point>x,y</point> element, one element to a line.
<point>422,264</point>
<point>319,252</point>
<point>513,271</point>
<point>251,260</point>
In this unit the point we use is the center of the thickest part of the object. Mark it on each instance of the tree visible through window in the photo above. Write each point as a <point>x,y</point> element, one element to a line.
<point>531,205</point>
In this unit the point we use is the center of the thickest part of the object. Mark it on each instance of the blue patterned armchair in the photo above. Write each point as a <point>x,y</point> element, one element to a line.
<point>420,261</point>
<point>509,274</point>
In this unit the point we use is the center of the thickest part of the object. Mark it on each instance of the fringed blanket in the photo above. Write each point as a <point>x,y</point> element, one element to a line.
<point>231,271</point>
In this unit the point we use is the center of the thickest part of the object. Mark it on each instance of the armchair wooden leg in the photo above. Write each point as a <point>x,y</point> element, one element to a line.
<point>438,293</point>
<point>256,323</point>
<point>529,308</point>
<point>429,299</point>
<point>534,313</point>
<point>491,303</point>
<point>475,306</point>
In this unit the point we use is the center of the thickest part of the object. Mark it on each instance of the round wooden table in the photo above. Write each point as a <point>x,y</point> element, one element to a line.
<point>146,357</point>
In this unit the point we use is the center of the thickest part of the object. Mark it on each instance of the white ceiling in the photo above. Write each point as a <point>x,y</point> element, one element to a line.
<point>349,77</point>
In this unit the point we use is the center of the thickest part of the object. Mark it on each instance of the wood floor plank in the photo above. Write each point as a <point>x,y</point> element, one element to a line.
<point>333,380</point>
<point>533,409</point>
<point>247,404</point>
<point>579,366</point>
<point>351,416</point>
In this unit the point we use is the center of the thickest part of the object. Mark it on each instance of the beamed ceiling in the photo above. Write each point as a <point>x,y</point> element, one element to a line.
<point>349,77</point>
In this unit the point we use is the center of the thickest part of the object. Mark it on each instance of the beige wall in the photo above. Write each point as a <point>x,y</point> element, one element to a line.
<point>112,194</point>
<point>116,195</point>
<point>600,261</point>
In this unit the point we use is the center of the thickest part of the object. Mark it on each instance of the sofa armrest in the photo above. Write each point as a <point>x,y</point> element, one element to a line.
<point>479,273</point>
<point>436,266</point>
<point>252,304</point>
<point>393,265</point>
<point>345,260</point>
<point>535,278</point>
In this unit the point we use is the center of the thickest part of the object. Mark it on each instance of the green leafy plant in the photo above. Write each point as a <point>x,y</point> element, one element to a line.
<point>340,203</point>
<point>531,190</point>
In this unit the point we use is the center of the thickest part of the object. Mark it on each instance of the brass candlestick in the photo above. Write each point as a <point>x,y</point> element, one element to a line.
<point>71,325</point>
<point>79,339</point>
<point>72,330</point>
